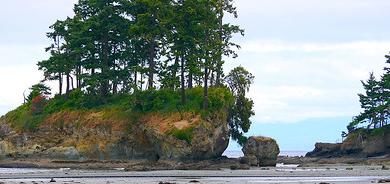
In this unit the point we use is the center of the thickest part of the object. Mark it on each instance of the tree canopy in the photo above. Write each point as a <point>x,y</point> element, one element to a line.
<point>239,81</point>
<point>121,46</point>
<point>375,102</point>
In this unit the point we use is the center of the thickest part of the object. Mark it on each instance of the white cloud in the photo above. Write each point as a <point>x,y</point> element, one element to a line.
<point>18,72</point>
<point>19,54</point>
<point>300,80</point>
<point>269,46</point>
<point>14,81</point>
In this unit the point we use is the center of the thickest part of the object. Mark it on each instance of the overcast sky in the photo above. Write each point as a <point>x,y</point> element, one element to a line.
<point>308,56</point>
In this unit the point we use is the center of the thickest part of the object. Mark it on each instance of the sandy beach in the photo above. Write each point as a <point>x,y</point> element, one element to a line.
<point>282,174</point>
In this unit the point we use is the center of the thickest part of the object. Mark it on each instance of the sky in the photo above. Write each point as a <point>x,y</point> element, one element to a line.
<point>308,58</point>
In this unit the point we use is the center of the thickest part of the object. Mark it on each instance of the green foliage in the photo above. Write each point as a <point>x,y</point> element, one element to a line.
<point>239,81</point>
<point>241,139</point>
<point>375,102</point>
<point>37,90</point>
<point>220,98</point>
<point>38,104</point>
<point>74,100</point>
<point>166,100</point>
<point>184,134</point>
<point>239,118</point>
<point>22,119</point>
<point>115,46</point>
<point>377,131</point>
<point>130,106</point>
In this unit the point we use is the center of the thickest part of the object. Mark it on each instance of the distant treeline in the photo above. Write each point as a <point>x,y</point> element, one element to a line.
<point>375,102</point>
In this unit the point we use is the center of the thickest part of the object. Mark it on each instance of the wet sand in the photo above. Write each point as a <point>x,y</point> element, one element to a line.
<point>310,180</point>
<point>305,175</point>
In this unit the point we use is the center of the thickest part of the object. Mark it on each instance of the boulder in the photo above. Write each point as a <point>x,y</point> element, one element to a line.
<point>265,149</point>
<point>249,160</point>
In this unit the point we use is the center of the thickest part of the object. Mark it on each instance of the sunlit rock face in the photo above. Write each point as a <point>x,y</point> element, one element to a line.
<point>91,135</point>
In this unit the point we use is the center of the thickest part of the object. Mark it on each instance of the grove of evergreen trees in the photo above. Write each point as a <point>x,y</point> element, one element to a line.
<point>128,47</point>
<point>123,46</point>
<point>375,102</point>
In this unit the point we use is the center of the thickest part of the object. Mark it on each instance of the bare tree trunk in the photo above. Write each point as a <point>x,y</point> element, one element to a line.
<point>105,68</point>
<point>212,79</point>
<point>141,82</point>
<point>71,82</point>
<point>190,80</point>
<point>205,90</point>
<point>174,72</point>
<point>135,80</point>
<point>78,76</point>
<point>219,74</point>
<point>219,59</point>
<point>190,74</point>
<point>114,88</point>
<point>152,64</point>
<point>183,92</point>
<point>67,83</point>
<point>60,83</point>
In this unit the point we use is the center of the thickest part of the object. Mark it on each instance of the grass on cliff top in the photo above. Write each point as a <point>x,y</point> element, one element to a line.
<point>142,102</point>
<point>367,132</point>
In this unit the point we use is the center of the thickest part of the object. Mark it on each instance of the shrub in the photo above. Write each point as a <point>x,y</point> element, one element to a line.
<point>37,104</point>
<point>184,134</point>
<point>128,106</point>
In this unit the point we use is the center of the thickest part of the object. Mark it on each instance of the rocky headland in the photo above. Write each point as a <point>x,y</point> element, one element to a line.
<point>99,135</point>
<point>361,143</point>
<point>145,132</point>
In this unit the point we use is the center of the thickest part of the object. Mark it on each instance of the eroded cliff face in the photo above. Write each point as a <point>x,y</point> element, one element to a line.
<point>98,135</point>
<point>358,144</point>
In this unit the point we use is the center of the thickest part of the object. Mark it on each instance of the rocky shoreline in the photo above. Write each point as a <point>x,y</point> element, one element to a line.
<point>211,164</point>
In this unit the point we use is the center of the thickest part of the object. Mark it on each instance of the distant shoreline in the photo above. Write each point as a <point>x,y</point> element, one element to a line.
<point>239,153</point>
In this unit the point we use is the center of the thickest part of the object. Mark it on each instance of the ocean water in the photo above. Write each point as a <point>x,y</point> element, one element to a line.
<point>239,153</point>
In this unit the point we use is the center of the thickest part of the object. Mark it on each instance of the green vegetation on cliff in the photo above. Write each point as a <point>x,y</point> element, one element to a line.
<point>151,124</point>
<point>144,102</point>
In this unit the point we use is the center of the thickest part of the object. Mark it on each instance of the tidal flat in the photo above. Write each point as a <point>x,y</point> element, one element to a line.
<point>335,174</point>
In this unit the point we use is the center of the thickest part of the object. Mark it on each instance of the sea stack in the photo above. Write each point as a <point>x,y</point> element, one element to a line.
<point>265,149</point>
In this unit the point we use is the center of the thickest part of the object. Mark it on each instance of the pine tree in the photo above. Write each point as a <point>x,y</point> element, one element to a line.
<point>374,102</point>
<point>115,46</point>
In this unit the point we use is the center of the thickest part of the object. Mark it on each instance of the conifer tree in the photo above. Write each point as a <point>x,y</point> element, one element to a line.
<point>374,102</point>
